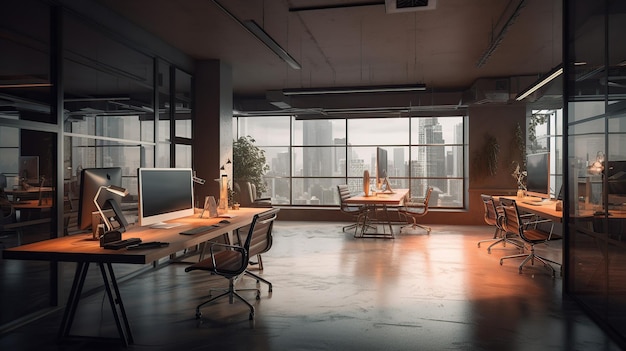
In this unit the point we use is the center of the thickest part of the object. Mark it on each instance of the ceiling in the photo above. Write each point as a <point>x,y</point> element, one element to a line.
<point>348,43</point>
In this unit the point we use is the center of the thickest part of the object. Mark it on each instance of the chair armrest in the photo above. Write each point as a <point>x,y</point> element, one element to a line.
<point>228,246</point>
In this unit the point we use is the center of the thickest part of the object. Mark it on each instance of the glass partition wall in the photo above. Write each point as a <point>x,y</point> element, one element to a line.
<point>108,97</point>
<point>595,98</point>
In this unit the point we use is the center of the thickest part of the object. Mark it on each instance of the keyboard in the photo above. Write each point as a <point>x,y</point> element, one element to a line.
<point>120,244</point>
<point>148,245</point>
<point>198,230</point>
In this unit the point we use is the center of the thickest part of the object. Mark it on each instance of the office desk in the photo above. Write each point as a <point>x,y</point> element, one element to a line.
<point>80,249</point>
<point>544,209</point>
<point>379,201</point>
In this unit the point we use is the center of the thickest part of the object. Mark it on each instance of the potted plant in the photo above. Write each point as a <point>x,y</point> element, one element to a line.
<point>249,163</point>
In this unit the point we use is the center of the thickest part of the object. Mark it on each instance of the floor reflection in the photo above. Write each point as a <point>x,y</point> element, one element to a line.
<point>335,292</point>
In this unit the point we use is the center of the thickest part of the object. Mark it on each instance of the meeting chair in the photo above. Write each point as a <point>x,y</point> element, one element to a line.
<point>531,236</point>
<point>414,208</point>
<point>231,261</point>
<point>493,216</point>
<point>8,222</point>
<point>357,212</point>
<point>246,195</point>
<point>262,245</point>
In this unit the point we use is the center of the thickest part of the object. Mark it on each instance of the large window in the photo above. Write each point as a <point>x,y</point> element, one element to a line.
<point>545,134</point>
<point>309,158</point>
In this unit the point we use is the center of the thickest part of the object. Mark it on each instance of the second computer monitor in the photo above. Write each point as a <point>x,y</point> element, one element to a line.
<point>164,194</point>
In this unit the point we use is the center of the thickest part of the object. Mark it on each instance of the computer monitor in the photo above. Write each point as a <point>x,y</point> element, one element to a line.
<point>91,179</point>
<point>382,181</point>
<point>616,182</point>
<point>538,175</point>
<point>164,194</point>
<point>29,169</point>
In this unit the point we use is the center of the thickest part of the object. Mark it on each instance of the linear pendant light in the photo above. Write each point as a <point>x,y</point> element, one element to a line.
<point>352,90</point>
<point>258,32</point>
<point>555,72</point>
<point>253,28</point>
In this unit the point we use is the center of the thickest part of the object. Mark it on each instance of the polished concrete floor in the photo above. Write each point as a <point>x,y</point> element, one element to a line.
<point>335,292</point>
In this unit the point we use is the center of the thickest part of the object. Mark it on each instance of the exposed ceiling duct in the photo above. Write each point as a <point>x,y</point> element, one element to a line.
<point>400,6</point>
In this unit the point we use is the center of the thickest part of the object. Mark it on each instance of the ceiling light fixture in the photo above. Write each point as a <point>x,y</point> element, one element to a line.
<point>260,34</point>
<point>555,72</point>
<point>26,85</point>
<point>352,90</point>
<point>256,30</point>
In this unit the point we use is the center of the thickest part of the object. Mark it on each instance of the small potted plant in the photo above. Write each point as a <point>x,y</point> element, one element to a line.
<point>520,177</point>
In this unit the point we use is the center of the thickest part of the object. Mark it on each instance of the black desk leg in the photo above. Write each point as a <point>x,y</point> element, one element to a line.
<point>124,331</point>
<point>73,298</point>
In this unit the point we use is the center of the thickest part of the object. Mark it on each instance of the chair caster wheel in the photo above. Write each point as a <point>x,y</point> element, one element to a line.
<point>258,297</point>
<point>270,290</point>
<point>198,314</point>
<point>251,317</point>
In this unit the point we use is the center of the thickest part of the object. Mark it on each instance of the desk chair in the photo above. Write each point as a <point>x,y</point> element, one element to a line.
<point>531,236</point>
<point>246,195</point>
<point>8,217</point>
<point>262,245</point>
<point>356,211</point>
<point>231,262</point>
<point>415,208</point>
<point>494,217</point>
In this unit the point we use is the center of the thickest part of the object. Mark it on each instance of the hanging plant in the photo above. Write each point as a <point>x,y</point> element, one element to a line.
<point>533,122</point>
<point>486,159</point>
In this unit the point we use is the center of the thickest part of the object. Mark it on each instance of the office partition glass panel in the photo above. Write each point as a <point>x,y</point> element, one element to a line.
<point>27,202</point>
<point>25,83</point>
<point>9,155</point>
<point>183,156</point>
<point>183,104</point>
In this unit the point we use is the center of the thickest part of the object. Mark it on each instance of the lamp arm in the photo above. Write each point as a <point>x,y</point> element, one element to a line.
<point>107,224</point>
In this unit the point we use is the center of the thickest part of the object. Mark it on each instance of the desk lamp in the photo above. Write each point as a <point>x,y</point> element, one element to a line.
<point>597,167</point>
<point>115,190</point>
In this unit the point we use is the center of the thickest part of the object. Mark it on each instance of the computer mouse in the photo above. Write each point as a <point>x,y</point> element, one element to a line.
<point>225,221</point>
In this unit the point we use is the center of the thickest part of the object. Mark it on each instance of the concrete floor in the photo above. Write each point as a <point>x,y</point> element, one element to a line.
<point>335,292</point>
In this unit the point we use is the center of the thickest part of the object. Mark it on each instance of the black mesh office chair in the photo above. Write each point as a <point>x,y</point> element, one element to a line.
<point>231,262</point>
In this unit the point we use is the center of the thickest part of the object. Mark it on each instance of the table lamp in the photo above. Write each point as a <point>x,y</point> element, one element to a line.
<point>115,190</point>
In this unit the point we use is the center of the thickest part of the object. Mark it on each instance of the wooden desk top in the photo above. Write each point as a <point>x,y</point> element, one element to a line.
<point>396,198</point>
<point>32,204</point>
<point>545,209</point>
<point>31,190</point>
<point>81,248</point>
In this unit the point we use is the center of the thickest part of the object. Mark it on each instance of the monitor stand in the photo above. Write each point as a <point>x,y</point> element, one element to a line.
<point>387,187</point>
<point>164,225</point>
<point>118,215</point>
